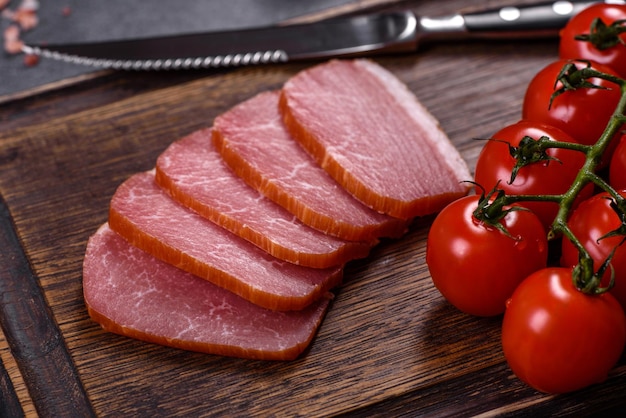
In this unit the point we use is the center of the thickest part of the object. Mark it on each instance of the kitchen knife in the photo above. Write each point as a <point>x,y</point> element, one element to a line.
<point>377,33</point>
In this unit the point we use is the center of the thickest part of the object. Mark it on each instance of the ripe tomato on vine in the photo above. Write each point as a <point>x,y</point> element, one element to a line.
<point>591,223</point>
<point>499,158</point>
<point>477,266</point>
<point>570,110</point>
<point>564,327</point>
<point>558,339</point>
<point>598,34</point>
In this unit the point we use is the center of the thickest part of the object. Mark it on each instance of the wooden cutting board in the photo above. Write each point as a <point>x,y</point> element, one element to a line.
<point>390,344</point>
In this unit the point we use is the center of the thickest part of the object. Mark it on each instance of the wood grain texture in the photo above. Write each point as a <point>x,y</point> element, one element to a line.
<point>9,401</point>
<point>27,319</point>
<point>390,345</point>
<point>16,400</point>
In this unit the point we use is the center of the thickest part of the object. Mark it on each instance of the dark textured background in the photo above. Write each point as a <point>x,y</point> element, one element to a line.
<point>92,20</point>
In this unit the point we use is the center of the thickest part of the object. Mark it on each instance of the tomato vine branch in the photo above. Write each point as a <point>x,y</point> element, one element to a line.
<point>531,151</point>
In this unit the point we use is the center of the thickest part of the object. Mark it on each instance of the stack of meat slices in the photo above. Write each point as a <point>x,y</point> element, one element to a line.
<point>232,244</point>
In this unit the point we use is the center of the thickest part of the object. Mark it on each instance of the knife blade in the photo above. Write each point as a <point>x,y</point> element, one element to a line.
<point>369,34</point>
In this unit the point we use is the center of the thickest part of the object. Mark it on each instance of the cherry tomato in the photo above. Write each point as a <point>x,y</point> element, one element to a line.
<point>582,113</point>
<point>617,166</point>
<point>613,56</point>
<point>495,163</point>
<point>558,339</point>
<point>476,267</point>
<point>592,219</point>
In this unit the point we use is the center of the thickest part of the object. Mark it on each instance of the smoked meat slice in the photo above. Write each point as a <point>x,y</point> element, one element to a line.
<point>129,292</point>
<point>371,134</point>
<point>253,141</point>
<point>194,174</point>
<point>151,220</point>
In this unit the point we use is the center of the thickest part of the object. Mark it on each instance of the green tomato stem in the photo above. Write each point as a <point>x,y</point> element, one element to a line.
<point>587,173</point>
<point>569,145</point>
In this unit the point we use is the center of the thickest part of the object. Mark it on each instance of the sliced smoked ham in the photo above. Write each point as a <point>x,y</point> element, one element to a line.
<point>129,292</point>
<point>253,141</point>
<point>372,135</point>
<point>198,262</point>
<point>151,220</point>
<point>193,173</point>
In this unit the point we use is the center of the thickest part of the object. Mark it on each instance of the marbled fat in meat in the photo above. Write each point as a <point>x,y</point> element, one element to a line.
<point>150,219</point>
<point>131,293</point>
<point>373,136</point>
<point>253,141</point>
<point>193,173</point>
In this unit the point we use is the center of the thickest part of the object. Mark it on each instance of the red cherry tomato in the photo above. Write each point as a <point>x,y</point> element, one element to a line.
<point>613,56</point>
<point>617,166</point>
<point>592,219</point>
<point>477,267</point>
<point>582,113</point>
<point>557,339</point>
<point>495,163</point>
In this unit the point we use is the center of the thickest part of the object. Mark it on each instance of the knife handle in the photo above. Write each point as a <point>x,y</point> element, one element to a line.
<point>542,18</point>
<point>511,22</point>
